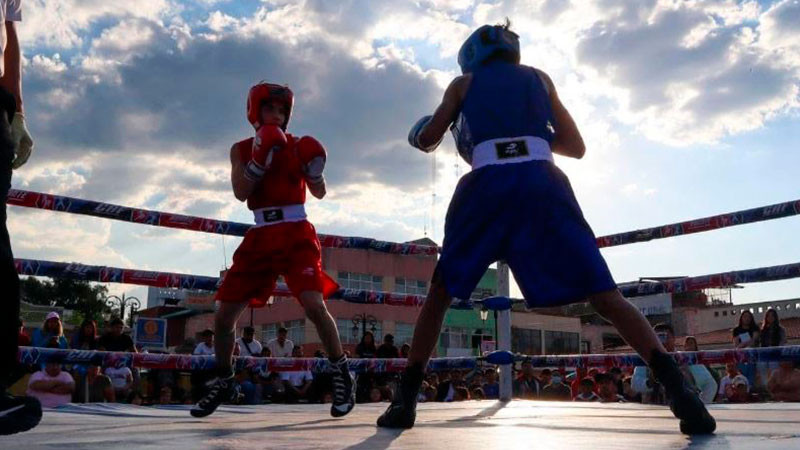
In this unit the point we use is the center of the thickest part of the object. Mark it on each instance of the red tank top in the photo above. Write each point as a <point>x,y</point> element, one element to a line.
<point>283,183</point>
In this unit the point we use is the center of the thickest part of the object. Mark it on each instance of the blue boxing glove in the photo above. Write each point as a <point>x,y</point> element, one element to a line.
<point>416,130</point>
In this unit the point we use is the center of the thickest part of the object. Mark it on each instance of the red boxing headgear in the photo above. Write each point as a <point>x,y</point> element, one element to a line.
<point>267,92</point>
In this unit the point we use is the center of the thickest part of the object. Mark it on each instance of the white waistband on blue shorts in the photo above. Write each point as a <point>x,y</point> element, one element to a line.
<point>279,214</point>
<point>511,150</point>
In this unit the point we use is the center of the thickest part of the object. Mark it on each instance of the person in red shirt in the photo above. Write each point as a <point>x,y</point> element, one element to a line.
<point>23,339</point>
<point>271,172</point>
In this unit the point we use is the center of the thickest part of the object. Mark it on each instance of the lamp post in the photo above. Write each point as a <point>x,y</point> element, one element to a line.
<point>360,321</point>
<point>124,303</point>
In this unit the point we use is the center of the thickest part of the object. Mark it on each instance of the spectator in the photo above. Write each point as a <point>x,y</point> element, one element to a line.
<point>690,344</point>
<point>298,383</point>
<point>114,340</point>
<point>526,386</point>
<point>616,375</point>
<point>477,394</point>
<point>366,348</point>
<point>771,334</point>
<point>375,395</point>
<point>281,347</point>
<point>52,386</point>
<point>491,388</point>
<point>387,349</point>
<point>248,346</point>
<point>697,375</point>
<point>23,340</point>
<point>739,390</point>
<point>94,387</point>
<point>165,396</point>
<point>206,345</point>
<point>247,388</point>
<point>85,337</point>
<point>586,393</point>
<point>274,388</point>
<point>52,329</point>
<point>726,384</point>
<point>628,392</point>
<point>461,394</point>
<point>544,377</point>
<point>556,389</point>
<point>607,389</point>
<point>446,391</point>
<point>746,334</point>
<point>784,383</point>
<point>266,353</point>
<point>121,380</point>
<point>404,349</point>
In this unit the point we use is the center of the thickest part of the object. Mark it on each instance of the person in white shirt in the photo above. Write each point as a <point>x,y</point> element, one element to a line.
<point>298,383</point>
<point>206,347</point>
<point>281,347</point>
<point>52,386</point>
<point>121,380</point>
<point>248,346</point>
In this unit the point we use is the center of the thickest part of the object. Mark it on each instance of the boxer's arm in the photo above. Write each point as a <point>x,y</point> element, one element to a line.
<point>446,113</point>
<point>242,186</point>
<point>12,77</point>
<point>567,140</point>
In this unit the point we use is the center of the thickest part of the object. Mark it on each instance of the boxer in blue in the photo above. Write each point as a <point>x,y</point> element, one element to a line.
<point>517,206</point>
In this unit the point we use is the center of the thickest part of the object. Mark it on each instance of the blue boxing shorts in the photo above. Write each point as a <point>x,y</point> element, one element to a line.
<point>525,214</point>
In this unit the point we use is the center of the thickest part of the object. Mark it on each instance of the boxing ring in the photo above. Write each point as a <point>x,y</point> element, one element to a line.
<point>471,424</point>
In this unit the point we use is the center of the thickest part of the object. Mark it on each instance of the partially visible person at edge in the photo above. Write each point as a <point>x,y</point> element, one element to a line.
<point>517,206</point>
<point>17,413</point>
<point>272,171</point>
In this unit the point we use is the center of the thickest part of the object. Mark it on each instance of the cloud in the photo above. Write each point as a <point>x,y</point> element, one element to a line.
<point>684,76</point>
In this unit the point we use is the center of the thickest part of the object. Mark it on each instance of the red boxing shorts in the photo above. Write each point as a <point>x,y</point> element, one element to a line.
<point>290,249</point>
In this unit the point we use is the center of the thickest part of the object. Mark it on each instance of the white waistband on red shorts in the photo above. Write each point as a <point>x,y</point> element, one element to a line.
<point>510,151</point>
<point>274,215</point>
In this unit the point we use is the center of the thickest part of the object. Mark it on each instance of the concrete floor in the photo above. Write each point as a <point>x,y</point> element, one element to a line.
<point>453,426</point>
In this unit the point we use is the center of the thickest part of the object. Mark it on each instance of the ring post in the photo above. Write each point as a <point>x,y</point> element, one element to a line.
<point>504,331</point>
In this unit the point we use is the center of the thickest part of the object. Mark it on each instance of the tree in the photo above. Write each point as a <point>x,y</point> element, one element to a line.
<point>77,295</point>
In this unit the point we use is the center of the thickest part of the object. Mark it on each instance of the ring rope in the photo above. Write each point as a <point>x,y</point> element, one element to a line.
<point>31,199</point>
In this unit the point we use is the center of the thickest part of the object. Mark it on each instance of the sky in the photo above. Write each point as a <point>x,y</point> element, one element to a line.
<point>688,109</point>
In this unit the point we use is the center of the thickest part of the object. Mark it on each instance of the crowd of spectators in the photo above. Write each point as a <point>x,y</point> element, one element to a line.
<point>54,384</point>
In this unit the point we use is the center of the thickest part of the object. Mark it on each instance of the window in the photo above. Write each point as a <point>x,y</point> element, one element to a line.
<point>733,312</point>
<point>481,293</point>
<point>455,337</point>
<point>413,287</point>
<point>760,309</point>
<point>297,331</point>
<point>586,347</point>
<point>560,342</point>
<point>403,332</point>
<point>526,341</point>
<point>345,327</point>
<point>360,281</point>
<point>724,313</point>
<point>716,313</point>
<point>269,332</point>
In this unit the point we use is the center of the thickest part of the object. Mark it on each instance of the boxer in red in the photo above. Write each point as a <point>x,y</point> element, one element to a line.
<point>271,171</point>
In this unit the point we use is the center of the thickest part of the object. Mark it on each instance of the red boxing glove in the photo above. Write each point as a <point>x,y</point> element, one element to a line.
<point>269,138</point>
<point>312,157</point>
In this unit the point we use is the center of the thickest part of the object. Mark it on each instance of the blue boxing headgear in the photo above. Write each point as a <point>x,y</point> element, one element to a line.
<point>485,42</point>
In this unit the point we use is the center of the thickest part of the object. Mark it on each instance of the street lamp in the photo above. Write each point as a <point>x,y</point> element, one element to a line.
<point>360,321</point>
<point>124,303</point>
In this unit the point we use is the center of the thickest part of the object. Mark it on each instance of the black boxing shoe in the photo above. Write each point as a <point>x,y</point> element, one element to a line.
<point>344,388</point>
<point>18,414</point>
<point>221,390</point>
<point>402,413</point>
<point>683,401</point>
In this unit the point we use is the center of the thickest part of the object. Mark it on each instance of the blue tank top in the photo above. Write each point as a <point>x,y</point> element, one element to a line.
<point>504,100</point>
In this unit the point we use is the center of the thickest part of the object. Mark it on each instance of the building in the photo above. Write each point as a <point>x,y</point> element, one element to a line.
<point>463,331</point>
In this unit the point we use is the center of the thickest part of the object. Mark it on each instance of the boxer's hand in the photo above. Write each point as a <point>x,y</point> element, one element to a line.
<point>416,131</point>
<point>23,142</point>
<point>269,138</point>
<point>312,157</point>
